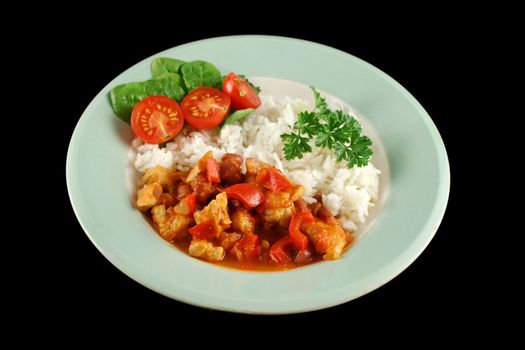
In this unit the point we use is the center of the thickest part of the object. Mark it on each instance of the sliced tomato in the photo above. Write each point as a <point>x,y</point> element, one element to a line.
<point>156,119</point>
<point>242,94</point>
<point>213,171</point>
<point>205,108</point>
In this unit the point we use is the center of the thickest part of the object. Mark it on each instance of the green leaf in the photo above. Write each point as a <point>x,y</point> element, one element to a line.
<point>334,130</point>
<point>295,145</point>
<point>325,140</point>
<point>165,65</point>
<point>200,73</point>
<point>174,76</point>
<point>236,116</point>
<point>320,102</point>
<point>308,123</point>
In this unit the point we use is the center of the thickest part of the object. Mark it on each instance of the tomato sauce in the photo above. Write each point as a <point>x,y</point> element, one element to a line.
<point>253,222</point>
<point>264,263</point>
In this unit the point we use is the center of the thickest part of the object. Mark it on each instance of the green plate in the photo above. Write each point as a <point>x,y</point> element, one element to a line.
<point>97,179</point>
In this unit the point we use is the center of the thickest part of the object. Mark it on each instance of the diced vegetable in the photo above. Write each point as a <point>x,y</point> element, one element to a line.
<point>280,251</point>
<point>213,171</point>
<point>298,238</point>
<point>249,195</point>
<point>204,230</point>
<point>272,179</point>
<point>248,248</point>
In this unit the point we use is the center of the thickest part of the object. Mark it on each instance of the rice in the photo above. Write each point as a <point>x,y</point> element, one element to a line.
<point>347,193</point>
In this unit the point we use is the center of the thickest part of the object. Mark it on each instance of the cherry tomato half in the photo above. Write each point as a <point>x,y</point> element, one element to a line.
<point>156,119</point>
<point>242,94</point>
<point>205,108</point>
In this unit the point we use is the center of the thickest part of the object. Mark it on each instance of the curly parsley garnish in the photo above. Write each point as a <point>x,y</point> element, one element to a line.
<point>334,130</point>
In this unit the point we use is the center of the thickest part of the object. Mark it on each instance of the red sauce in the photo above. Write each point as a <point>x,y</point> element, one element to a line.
<point>264,264</point>
<point>323,230</point>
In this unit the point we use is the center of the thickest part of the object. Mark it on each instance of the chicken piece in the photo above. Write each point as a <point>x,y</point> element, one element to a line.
<point>297,193</point>
<point>277,208</point>
<point>206,250</point>
<point>227,240</point>
<point>217,211</point>
<point>183,189</point>
<point>230,168</point>
<point>243,221</point>
<point>252,167</point>
<point>203,188</point>
<point>170,224</point>
<point>164,176</point>
<point>149,196</point>
<point>199,168</point>
<point>328,239</point>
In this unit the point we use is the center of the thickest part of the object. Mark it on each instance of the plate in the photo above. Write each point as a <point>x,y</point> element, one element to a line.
<point>417,178</point>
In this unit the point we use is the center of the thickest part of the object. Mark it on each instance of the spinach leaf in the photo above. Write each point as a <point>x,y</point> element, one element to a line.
<point>124,97</point>
<point>236,116</point>
<point>165,65</point>
<point>200,73</point>
<point>169,75</point>
<point>175,76</point>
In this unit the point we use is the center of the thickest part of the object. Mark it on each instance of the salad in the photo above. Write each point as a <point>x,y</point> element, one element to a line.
<point>182,92</point>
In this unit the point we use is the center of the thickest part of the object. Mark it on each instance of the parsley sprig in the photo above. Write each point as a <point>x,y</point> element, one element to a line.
<point>334,130</point>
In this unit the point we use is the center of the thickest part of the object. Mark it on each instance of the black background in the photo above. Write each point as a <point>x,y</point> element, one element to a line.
<point>431,64</point>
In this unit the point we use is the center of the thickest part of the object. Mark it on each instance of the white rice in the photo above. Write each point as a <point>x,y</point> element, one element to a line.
<point>347,193</point>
